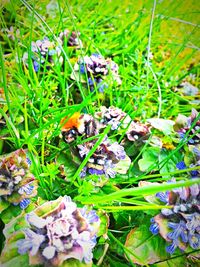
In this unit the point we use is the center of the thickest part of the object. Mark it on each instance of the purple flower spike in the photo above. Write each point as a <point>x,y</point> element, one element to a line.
<point>63,233</point>
<point>31,243</point>
<point>97,69</point>
<point>17,183</point>
<point>179,230</point>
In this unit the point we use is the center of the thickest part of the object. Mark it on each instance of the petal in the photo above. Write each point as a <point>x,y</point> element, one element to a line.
<point>24,203</point>
<point>171,248</point>
<point>154,228</point>
<point>35,220</point>
<point>49,252</point>
<point>194,241</point>
<point>24,245</point>
<point>184,236</point>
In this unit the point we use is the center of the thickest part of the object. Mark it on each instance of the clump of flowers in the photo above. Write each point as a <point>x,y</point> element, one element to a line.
<point>113,116</point>
<point>97,71</point>
<point>72,38</point>
<point>119,119</point>
<point>105,159</point>
<point>179,224</point>
<point>136,131</point>
<point>44,53</point>
<point>65,232</point>
<point>189,125</point>
<point>17,183</point>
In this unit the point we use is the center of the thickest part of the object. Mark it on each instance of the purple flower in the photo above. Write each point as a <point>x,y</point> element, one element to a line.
<point>27,189</point>
<point>154,227</point>
<point>182,192</point>
<point>193,222</point>
<point>179,230</point>
<point>181,165</point>
<point>28,161</point>
<point>82,68</point>
<point>43,52</point>
<point>90,216</point>
<point>97,69</point>
<point>107,157</point>
<point>36,66</point>
<point>117,150</point>
<point>194,241</point>
<point>171,248</point>
<point>163,196</point>
<point>95,171</point>
<point>179,222</point>
<point>31,243</point>
<point>194,173</point>
<point>91,81</point>
<point>24,203</point>
<point>17,183</point>
<point>64,232</point>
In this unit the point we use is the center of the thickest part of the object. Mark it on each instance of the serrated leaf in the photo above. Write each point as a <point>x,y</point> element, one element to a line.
<point>165,126</point>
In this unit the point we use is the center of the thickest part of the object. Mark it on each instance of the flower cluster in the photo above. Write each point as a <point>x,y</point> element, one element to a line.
<point>190,126</point>
<point>72,38</point>
<point>119,119</point>
<point>113,116</point>
<point>180,224</point>
<point>43,53</point>
<point>96,69</point>
<point>17,184</point>
<point>107,155</point>
<point>63,233</point>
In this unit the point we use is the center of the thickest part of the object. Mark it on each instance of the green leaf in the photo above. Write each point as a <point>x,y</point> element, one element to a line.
<point>18,261</point>
<point>104,218</point>
<point>181,260</point>
<point>123,165</point>
<point>8,214</point>
<point>69,162</point>
<point>165,126</point>
<point>170,162</point>
<point>146,248</point>
<point>3,205</point>
<point>149,158</point>
<point>75,263</point>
